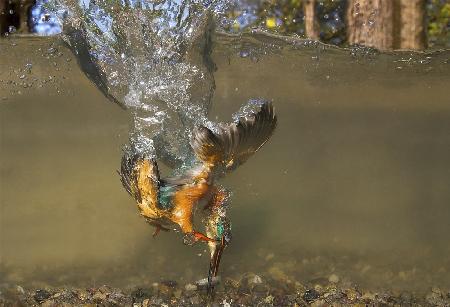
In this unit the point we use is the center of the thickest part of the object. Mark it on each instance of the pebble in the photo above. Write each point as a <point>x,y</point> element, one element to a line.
<point>82,294</point>
<point>311,295</point>
<point>254,283</point>
<point>99,296</point>
<point>225,303</point>
<point>163,289</point>
<point>318,288</point>
<point>104,289</point>
<point>368,296</point>
<point>333,278</point>
<point>190,287</point>
<point>56,295</point>
<point>204,282</point>
<point>352,295</point>
<point>195,300</point>
<point>255,280</point>
<point>41,295</point>
<point>269,299</point>
<point>331,292</point>
<point>20,290</point>
<point>277,274</point>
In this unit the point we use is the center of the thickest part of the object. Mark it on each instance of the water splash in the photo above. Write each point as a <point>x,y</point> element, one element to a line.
<point>152,57</point>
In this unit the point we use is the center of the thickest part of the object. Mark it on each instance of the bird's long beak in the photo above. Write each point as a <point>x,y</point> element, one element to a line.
<point>214,264</point>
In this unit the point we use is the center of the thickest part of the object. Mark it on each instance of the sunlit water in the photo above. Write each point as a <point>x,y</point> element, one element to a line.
<point>354,181</point>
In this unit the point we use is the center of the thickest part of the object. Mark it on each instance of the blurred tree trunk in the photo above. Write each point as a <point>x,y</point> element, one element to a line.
<point>311,24</point>
<point>3,17</point>
<point>19,18</point>
<point>412,24</point>
<point>24,12</point>
<point>371,23</point>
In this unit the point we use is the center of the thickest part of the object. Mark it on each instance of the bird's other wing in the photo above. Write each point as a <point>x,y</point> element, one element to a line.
<point>232,144</point>
<point>140,177</point>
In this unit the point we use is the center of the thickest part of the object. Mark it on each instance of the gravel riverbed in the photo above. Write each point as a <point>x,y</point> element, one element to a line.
<point>250,290</point>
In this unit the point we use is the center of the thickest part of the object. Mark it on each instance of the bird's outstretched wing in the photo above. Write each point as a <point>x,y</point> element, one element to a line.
<point>234,143</point>
<point>140,177</point>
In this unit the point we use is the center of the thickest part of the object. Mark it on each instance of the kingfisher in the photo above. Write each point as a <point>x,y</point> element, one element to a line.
<point>173,201</point>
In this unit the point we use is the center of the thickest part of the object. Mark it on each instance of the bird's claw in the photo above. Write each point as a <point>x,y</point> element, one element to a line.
<point>156,232</point>
<point>192,237</point>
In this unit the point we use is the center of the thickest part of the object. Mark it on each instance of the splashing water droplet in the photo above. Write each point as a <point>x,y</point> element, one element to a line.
<point>153,58</point>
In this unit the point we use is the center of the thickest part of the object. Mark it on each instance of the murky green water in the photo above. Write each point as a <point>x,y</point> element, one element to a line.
<point>354,182</point>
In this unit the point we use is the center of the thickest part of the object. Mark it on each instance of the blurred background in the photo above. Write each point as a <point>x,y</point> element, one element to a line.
<point>383,24</point>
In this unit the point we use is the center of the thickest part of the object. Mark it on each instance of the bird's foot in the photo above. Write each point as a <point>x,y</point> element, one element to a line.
<point>201,237</point>
<point>158,228</point>
<point>156,232</point>
<point>193,237</point>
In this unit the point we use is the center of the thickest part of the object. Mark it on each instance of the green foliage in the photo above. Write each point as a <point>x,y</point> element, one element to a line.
<point>287,17</point>
<point>438,12</point>
<point>284,16</point>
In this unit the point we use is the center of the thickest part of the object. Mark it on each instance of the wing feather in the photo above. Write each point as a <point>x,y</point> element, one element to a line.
<point>234,143</point>
<point>140,177</point>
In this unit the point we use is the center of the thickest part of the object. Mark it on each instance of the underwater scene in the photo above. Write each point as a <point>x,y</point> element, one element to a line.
<point>224,153</point>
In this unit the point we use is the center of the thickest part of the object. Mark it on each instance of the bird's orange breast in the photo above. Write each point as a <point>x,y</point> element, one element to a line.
<point>184,201</point>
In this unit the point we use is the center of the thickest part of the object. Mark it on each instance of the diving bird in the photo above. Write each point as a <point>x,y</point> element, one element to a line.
<point>172,201</point>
